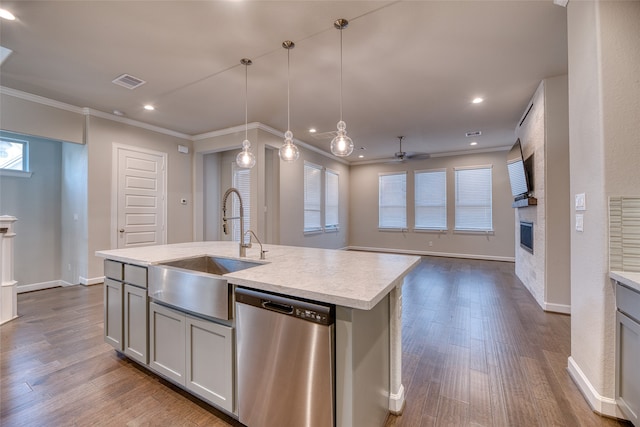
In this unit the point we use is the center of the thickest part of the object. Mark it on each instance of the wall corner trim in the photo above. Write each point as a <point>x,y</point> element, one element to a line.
<point>602,405</point>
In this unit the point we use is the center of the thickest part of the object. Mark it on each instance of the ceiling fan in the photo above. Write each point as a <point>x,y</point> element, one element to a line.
<point>402,156</point>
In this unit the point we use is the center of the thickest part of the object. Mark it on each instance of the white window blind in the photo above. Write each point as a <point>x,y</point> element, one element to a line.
<point>474,199</point>
<point>392,200</point>
<point>431,199</point>
<point>312,197</point>
<point>242,182</point>
<point>331,212</point>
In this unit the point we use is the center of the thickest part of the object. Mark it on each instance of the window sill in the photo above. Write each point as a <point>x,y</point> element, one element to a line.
<point>331,229</point>
<point>14,173</point>
<point>312,232</point>
<point>481,232</point>
<point>396,230</point>
<point>430,230</point>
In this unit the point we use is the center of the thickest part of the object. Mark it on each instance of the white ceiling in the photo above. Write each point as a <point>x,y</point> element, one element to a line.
<point>410,68</point>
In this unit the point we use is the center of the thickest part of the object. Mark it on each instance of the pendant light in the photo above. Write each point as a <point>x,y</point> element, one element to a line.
<point>245,158</point>
<point>341,145</point>
<point>288,152</point>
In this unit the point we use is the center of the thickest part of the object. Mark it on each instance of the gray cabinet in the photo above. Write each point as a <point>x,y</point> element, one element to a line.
<point>210,361</point>
<point>194,353</point>
<point>125,309</point>
<point>167,342</point>
<point>135,323</point>
<point>628,352</point>
<point>113,313</point>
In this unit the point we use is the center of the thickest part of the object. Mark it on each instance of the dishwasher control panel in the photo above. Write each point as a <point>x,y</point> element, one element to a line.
<point>312,315</point>
<point>311,311</point>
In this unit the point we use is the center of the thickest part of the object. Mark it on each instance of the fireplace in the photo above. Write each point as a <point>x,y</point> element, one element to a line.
<point>526,236</point>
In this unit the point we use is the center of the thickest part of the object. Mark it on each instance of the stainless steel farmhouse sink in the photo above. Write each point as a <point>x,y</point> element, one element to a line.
<point>196,284</point>
<point>212,265</point>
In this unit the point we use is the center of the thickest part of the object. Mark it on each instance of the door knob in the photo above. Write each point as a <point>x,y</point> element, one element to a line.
<point>122,230</point>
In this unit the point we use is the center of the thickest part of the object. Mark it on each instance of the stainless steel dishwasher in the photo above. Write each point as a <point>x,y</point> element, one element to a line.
<point>285,360</point>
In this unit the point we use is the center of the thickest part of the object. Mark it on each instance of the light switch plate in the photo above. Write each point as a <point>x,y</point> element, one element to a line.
<point>579,222</point>
<point>580,202</point>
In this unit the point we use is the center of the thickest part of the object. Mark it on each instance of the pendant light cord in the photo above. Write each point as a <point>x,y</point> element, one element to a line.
<point>288,86</point>
<point>246,101</point>
<point>340,74</point>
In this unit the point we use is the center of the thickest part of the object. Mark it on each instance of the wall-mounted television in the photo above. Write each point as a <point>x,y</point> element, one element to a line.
<point>518,174</point>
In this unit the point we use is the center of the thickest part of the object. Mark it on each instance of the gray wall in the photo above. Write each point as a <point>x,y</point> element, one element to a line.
<point>101,136</point>
<point>363,211</point>
<point>604,105</point>
<point>36,202</point>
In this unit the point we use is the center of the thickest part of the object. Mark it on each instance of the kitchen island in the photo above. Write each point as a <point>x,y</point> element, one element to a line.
<point>366,289</point>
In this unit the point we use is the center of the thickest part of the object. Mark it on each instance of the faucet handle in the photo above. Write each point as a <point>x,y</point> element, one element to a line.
<point>262,254</point>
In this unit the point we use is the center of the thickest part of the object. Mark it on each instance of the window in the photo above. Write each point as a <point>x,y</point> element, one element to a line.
<point>331,211</point>
<point>431,199</point>
<point>474,199</point>
<point>14,154</point>
<point>242,182</point>
<point>392,201</point>
<point>312,198</point>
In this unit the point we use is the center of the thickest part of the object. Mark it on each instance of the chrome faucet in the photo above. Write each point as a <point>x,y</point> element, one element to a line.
<point>243,246</point>
<point>262,252</point>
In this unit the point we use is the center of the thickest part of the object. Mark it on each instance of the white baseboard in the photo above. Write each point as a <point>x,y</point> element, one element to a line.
<point>427,253</point>
<point>396,401</point>
<point>603,405</point>
<point>92,281</point>
<point>557,308</point>
<point>39,286</point>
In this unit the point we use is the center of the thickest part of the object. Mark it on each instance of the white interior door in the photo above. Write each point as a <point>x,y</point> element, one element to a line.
<point>141,197</point>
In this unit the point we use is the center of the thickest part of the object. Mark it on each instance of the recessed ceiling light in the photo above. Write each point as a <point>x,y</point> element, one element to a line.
<point>149,107</point>
<point>477,100</point>
<point>474,143</point>
<point>118,113</point>
<point>5,14</point>
<point>361,156</point>
<point>312,130</point>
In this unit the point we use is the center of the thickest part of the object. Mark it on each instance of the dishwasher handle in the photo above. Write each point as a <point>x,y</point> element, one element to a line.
<point>277,307</point>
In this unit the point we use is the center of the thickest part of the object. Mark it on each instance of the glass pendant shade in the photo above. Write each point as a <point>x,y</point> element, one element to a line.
<point>245,158</point>
<point>341,145</point>
<point>289,152</point>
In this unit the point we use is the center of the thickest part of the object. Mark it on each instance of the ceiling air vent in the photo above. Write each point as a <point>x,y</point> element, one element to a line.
<point>128,81</point>
<point>473,134</point>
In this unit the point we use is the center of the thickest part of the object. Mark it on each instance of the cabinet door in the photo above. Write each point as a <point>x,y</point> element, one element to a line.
<point>210,365</point>
<point>627,367</point>
<point>113,313</point>
<point>135,323</point>
<point>167,342</point>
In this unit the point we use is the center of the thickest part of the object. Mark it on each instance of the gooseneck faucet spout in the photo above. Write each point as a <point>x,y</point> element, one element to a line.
<point>243,246</point>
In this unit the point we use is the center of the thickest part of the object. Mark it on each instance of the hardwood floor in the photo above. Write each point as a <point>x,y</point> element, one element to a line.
<point>477,351</point>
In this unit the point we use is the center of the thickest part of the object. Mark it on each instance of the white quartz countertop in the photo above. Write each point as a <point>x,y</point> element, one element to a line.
<point>347,278</point>
<point>628,278</point>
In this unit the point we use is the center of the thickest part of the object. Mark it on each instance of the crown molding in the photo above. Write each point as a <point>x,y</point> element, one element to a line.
<point>96,113</point>
<point>40,100</point>
<point>272,131</point>
<point>89,112</point>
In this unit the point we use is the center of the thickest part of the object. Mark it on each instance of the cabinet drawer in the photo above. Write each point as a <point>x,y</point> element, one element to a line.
<point>628,301</point>
<point>113,269</point>
<point>135,275</point>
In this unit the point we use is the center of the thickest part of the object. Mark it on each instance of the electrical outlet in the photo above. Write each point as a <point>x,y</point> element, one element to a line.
<point>430,243</point>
